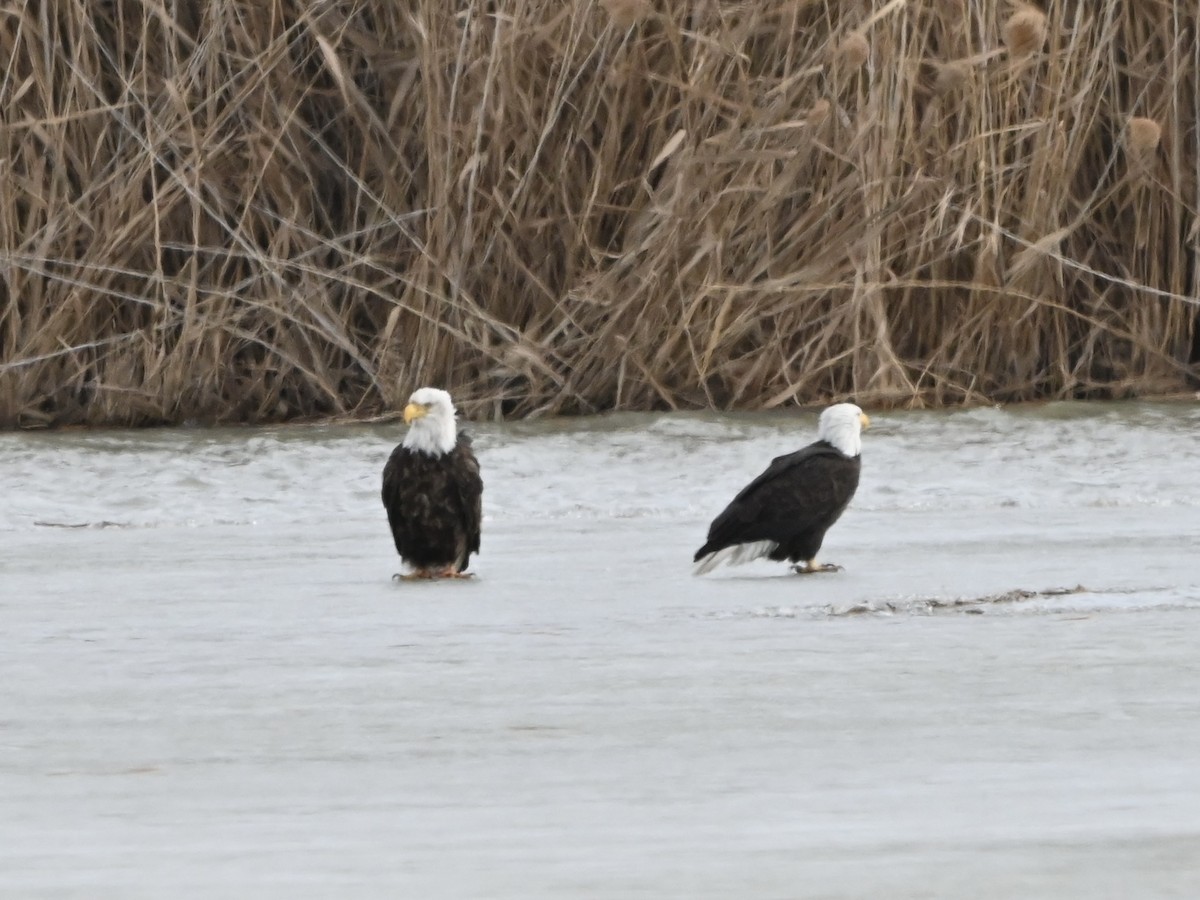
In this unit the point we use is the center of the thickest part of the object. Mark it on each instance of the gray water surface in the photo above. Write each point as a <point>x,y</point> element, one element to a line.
<point>211,686</point>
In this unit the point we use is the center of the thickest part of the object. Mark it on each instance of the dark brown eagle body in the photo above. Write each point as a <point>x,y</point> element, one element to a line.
<point>791,505</point>
<point>434,505</point>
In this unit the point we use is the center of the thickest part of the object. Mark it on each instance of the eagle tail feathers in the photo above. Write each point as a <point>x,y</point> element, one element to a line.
<point>733,555</point>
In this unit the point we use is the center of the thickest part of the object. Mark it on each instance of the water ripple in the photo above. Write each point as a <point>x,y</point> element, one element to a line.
<point>1061,456</point>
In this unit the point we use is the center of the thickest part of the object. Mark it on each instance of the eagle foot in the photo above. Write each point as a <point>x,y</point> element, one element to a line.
<point>811,568</point>
<point>416,575</point>
<point>431,574</point>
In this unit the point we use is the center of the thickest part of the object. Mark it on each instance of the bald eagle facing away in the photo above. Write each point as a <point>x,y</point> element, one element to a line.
<point>785,512</point>
<point>432,490</point>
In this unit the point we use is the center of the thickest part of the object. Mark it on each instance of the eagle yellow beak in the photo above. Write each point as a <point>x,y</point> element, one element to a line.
<point>414,411</point>
<point>862,417</point>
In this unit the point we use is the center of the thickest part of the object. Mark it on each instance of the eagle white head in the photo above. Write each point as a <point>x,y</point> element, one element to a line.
<point>842,425</point>
<point>430,417</point>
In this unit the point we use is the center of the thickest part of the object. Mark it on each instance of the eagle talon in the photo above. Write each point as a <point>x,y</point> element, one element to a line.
<point>432,574</point>
<point>416,575</point>
<point>810,569</point>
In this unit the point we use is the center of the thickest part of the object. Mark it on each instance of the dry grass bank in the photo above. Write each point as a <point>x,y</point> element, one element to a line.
<point>246,210</point>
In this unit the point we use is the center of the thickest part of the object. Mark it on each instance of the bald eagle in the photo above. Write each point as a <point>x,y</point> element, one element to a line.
<point>432,490</point>
<point>785,512</point>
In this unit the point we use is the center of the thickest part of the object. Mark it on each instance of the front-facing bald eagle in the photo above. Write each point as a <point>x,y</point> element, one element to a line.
<point>785,512</point>
<point>432,490</point>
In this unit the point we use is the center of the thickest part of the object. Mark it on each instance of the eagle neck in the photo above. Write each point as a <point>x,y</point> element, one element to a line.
<point>846,441</point>
<point>432,435</point>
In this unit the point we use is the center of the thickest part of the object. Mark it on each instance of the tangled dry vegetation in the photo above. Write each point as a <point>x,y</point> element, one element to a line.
<point>246,210</point>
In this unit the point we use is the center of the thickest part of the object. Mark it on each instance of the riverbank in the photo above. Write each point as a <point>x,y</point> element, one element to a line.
<point>580,207</point>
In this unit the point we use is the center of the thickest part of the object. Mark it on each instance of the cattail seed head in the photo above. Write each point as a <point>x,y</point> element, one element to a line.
<point>1142,137</point>
<point>817,114</point>
<point>854,50</point>
<point>951,77</point>
<point>626,13</point>
<point>952,12</point>
<point>1025,31</point>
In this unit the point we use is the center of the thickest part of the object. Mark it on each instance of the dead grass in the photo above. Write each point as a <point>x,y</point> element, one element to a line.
<point>250,211</point>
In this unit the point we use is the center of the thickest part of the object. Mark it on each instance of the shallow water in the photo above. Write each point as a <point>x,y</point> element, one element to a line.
<point>213,688</point>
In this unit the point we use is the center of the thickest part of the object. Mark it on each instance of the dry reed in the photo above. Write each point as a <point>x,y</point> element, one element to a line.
<point>251,211</point>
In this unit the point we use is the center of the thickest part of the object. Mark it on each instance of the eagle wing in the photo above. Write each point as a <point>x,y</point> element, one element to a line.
<point>419,494</point>
<point>470,490</point>
<point>795,492</point>
<point>393,499</point>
